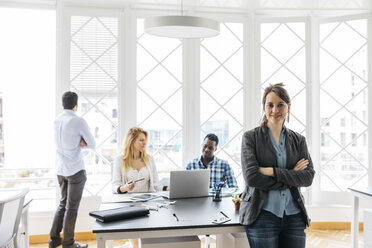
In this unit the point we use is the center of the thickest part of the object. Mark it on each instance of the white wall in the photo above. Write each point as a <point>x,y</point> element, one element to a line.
<point>41,222</point>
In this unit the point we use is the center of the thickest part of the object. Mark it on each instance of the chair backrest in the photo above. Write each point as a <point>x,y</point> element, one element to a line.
<point>10,216</point>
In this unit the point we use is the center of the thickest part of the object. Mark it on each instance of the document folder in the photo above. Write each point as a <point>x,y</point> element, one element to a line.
<point>119,213</point>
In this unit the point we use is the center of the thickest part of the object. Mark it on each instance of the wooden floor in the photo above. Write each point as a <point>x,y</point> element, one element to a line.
<point>331,239</point>
<point>315,239</point>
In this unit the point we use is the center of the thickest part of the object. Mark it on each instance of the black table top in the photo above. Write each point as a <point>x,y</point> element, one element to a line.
<point>191,212</point>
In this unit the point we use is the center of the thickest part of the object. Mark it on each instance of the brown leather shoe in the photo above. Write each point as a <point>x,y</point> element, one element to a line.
<point>53,243</point>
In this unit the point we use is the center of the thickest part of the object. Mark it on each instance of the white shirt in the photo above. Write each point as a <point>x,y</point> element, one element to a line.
<point>141,186</point>
<point>120,175</point>
<point>69,129</point>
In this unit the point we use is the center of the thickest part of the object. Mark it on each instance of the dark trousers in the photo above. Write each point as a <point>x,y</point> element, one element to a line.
<point>270,231</point>
<point>65,217</point>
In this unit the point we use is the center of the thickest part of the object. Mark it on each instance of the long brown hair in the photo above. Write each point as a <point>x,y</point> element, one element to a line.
<point>131,137</point>
<point>281,92</point>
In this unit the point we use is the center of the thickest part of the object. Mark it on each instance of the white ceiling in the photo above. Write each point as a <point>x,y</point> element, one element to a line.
<point>213,5</point>
<point>248,4</point>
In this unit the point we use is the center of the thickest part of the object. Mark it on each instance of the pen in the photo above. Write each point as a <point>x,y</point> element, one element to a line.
<point>224,214</point>
<point>139,179</point>
<point>175,216</point>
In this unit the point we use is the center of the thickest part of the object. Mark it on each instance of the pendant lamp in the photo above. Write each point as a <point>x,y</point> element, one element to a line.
<point>180,26</point>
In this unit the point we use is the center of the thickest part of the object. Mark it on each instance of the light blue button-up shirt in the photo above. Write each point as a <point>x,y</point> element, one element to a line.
<point>69,129</point>
<point>279,202</point>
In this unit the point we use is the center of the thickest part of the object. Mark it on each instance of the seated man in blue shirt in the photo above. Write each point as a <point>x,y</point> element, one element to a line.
<point>220,169</point>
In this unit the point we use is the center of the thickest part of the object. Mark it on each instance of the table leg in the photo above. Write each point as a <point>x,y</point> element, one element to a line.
<point>355,223</point>
<point>101,243</point>
<point>110,243</point>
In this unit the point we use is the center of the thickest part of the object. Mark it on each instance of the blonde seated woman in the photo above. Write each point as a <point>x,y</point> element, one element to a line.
<point>135,164</point>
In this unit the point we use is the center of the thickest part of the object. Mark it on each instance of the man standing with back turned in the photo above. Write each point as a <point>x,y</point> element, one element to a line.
<point>71,135</point>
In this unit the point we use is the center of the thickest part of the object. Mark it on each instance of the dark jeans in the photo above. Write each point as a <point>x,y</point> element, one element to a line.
<point>270,231</point>
<point>65,217</point>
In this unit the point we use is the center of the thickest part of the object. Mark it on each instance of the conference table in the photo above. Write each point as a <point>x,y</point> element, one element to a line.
<point>194,217</point>
<point>365,192</point>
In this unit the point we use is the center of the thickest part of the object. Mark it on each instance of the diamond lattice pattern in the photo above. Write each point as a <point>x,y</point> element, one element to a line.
<point>283,60</point>
<point>343,100</point>
<point>94,76</point>
<point>221,92</point>
<point>159,97</point>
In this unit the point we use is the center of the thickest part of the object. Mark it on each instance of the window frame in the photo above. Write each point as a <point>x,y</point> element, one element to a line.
<point>64,14</point>
<point>251,92</point>
<point>257,49</point>
<point>318,196</point>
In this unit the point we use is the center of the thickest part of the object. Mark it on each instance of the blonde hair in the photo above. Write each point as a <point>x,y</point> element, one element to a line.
<point>128,156</point>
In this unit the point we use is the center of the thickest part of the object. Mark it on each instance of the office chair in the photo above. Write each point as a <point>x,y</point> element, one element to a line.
<point>10,216</point>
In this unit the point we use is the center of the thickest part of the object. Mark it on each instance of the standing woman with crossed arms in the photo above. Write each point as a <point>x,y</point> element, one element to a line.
<point>275,164</point>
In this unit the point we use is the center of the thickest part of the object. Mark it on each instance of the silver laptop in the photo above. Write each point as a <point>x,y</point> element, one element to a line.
<point>189,183</point>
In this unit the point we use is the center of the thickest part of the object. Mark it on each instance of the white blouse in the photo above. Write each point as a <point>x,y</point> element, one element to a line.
<point>141,186</point>
<point>120,176</point>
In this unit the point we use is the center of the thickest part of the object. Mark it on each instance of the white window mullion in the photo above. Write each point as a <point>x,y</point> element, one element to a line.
<point>191,99</point>
<point>63,54</point>
<point>313,103</point>
<point>62,64</point>
<point>369,143</point>
<point>252,101</point>
<point>127,108</point>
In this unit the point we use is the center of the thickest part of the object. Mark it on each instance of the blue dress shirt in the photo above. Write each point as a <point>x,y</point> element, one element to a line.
<point>69,129</point>
<point>279,202</point>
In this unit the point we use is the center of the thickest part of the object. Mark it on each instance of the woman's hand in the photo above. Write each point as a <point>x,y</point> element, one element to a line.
<point>267,171</point>
<point>83,143</point>
<point>301,165</point>
<point>128,186</point>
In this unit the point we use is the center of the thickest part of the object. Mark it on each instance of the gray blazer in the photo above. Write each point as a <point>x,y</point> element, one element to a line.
<point>258,151</point>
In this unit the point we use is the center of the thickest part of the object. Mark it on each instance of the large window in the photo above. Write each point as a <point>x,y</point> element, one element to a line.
<point>125,77</point>
<point>221,92</point>
<point>285,54</point>
<point>27,96</point>
<point>159,97</point>
<point>94,76</point>
<point>343,90</point>
<point>283,59</point>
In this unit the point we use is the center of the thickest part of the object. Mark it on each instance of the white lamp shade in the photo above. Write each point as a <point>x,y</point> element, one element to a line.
<point>182,26</point>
